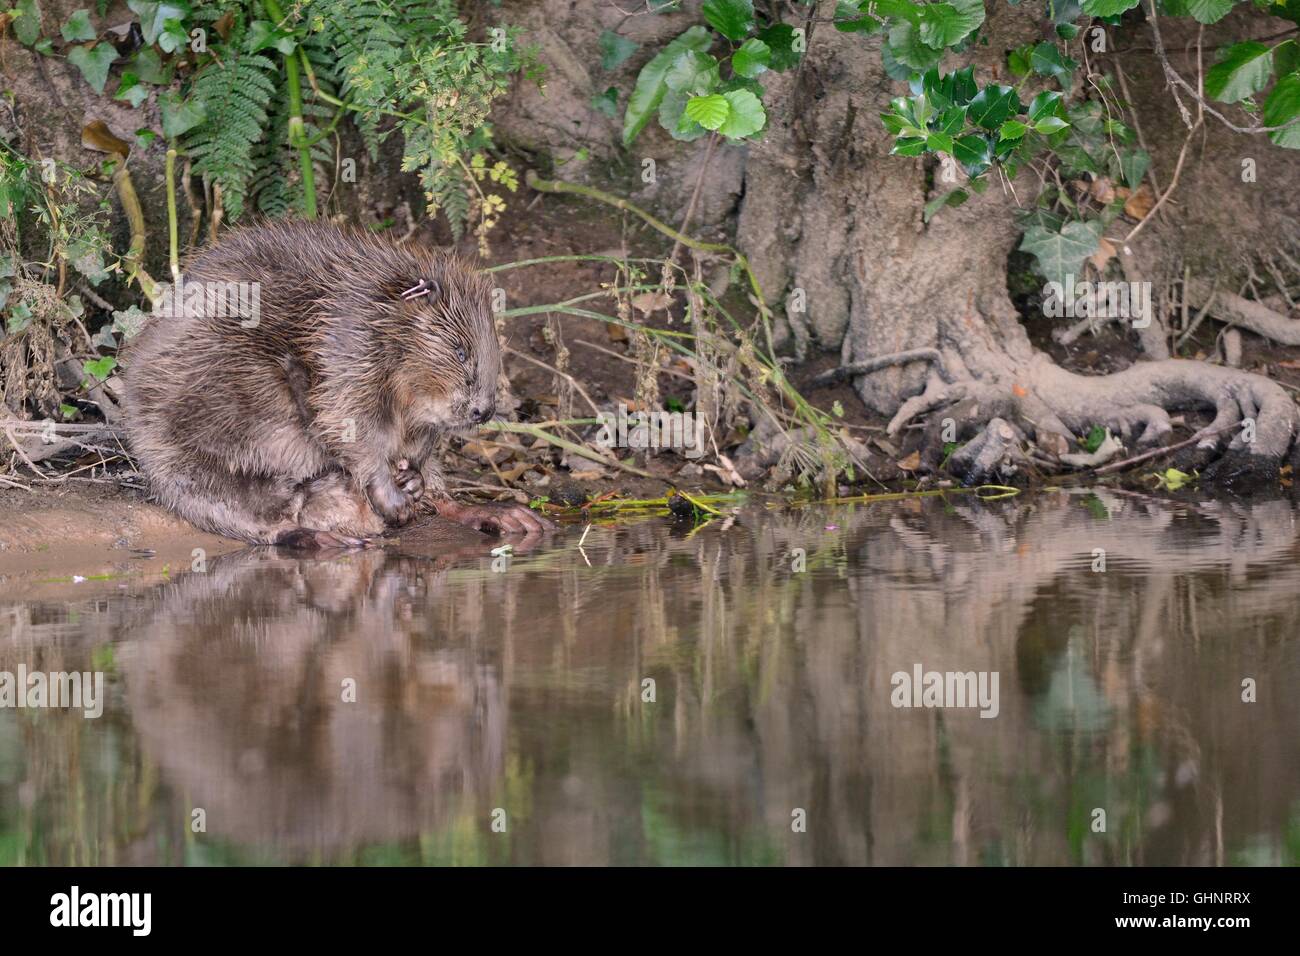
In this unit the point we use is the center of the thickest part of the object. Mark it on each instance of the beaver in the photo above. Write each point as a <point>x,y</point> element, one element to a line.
<point>292,388</point>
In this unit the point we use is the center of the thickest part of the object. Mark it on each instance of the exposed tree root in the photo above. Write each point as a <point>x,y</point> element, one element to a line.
<point>1244,313</point>
<point>994,415</point>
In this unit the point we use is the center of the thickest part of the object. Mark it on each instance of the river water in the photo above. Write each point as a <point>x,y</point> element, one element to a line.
<point>728,694</point>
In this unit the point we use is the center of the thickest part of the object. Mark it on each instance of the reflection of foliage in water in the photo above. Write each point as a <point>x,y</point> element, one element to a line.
<point>523,691</point>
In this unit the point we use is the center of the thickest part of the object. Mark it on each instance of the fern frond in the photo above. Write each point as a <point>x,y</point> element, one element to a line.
<point>234,93</point>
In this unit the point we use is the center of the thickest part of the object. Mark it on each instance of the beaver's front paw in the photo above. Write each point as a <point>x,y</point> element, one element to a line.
<point>395,496</point>
<point>494,518</point>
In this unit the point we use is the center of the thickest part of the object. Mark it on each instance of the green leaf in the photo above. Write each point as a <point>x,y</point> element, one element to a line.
<point>101,368</point>
<point>78,29</point>
<point>1061,254</point>
<point>131,89</point>
<point>1286,56</point>
<point>906,46</point>
<point>1243,71</point>
<point>1133,165</point>
<point>650,86</point>
<point>1108,8</point>
<point>849,18</point>
<point>1046,60</point>
<point>178,115</point>
<point>154,16</point>
<point>993,105</point>
<point>149,67</point>
<point>949,199</point>
<point>752,58</point>
<point>1209,11</point>
<point>672,117</point>
<point>908,146</point>
<point>615,50</point>
<point>1049,125</point>
<point>939,143</point>
<point>263,35</point>
<point>954,89</point>
<point>745,116</point>
<point>709,111</point>
<point>692,72</point>
<point>732,18</point>
<point>779,38</point>
<point>1012,130</point>
<point>1018,60</point>
<point>27,23</point>
<point>974,152</point>
<point>1046,103</point>
<point>944,25</point>
<point>1281,107</point>
<point>93,62</point>
<point>606,102</point>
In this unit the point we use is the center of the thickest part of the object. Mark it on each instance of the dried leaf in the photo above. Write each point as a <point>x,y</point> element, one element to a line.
<point>1102,190</point>
<point>98,136</point>
<point>1138,206</point>
<point>911,462</point>
<point>1105,252</point>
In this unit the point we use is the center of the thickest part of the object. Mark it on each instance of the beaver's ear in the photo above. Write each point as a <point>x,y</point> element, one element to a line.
<point>422,288</point>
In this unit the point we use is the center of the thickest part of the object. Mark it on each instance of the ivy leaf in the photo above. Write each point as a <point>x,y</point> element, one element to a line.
<point>709,111</point>
<point>1108,8</point>
<point>93,62</point>
<point>732,18</point>
<point>1133,166</point>
<point>1283,106</point>
<point>149,67</point>
<point>154,16</point>
<point>1243,71</point>
<point>78,29</point>
<point>692,72</point>
<point>1061,254</point>
<point>1209,11</point>
<point>178,115</point>
<point>650,87</point>
<point>101,368</point>
<point>606,102</point>
<point>752,58</point>
<point>27,23</point>
<point>745,116</point>
<point>993,105</point>
<point>614,50</point>
<point>131,89</point>
<point>779,38</point>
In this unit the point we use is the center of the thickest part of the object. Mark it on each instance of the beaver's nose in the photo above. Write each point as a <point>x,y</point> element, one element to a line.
<point>481,413</point>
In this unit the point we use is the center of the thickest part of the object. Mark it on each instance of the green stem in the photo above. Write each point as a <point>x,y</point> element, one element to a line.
<point>297,128</point>
<point>173,234</point>
<point>522,428</point>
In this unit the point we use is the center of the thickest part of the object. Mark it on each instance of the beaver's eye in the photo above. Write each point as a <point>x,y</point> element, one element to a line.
<point>460,354</point>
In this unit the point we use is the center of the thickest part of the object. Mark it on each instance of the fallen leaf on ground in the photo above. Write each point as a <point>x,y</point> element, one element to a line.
<point>911,462</point>
<point>1138,205</point>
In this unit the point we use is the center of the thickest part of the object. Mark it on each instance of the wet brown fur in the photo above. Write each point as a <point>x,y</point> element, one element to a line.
<point>242,431</point>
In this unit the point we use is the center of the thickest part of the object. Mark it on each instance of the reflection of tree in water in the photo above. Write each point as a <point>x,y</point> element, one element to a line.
<point>523,690</point>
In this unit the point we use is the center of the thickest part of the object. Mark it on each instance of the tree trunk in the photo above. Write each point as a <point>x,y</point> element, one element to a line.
<point>829,213</point>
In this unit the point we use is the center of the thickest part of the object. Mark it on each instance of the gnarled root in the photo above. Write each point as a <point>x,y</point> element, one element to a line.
<point>1054,407</point>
